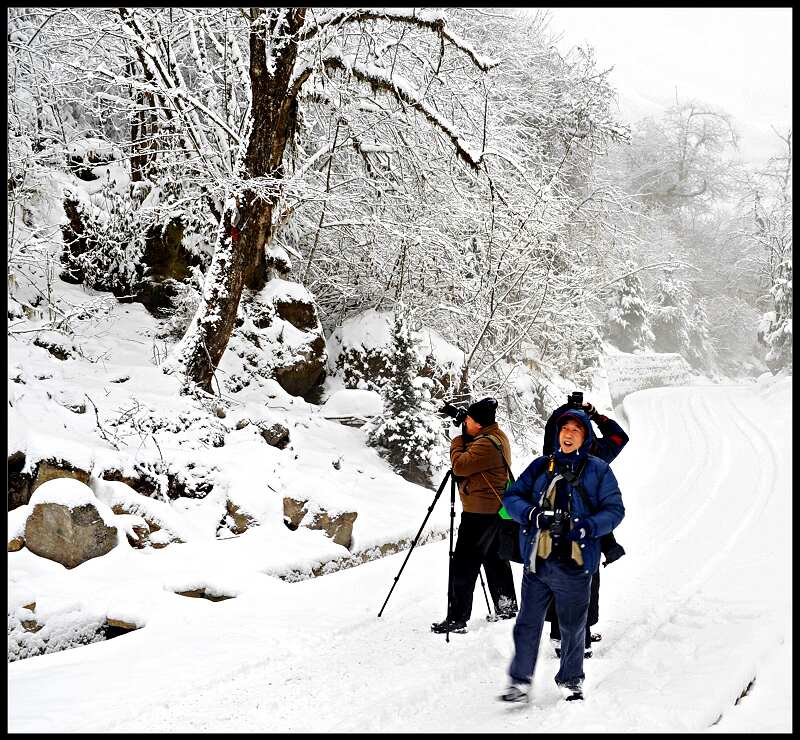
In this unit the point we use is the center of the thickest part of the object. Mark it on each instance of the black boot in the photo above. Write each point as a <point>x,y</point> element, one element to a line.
<point>449,625</point>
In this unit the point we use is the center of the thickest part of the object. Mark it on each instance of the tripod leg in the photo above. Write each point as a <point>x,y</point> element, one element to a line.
<point>450,562</point>
<point>413,544</point>
<point>483,586</point>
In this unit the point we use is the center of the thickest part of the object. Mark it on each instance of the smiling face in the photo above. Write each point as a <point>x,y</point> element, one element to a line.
<point>571,435</point>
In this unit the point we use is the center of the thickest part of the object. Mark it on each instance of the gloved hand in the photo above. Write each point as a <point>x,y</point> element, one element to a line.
<point>591,411</point>
<point>580,531</point>
<point>544,518</point>
<point>533,514</point>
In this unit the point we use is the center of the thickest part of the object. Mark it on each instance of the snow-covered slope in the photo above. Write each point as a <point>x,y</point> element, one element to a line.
<point>699,607</point>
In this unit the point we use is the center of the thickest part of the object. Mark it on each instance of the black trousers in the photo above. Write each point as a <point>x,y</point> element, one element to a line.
<point>591,619</point>
<point>477,545</point>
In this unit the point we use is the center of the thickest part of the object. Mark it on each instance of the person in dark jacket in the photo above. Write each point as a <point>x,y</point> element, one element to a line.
<point>606,447</point>
<point>560,527</point>
<point>477,458</point>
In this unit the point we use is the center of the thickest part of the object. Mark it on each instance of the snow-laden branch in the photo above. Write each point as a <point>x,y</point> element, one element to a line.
<point>412,16</point>
<point>403,91</point>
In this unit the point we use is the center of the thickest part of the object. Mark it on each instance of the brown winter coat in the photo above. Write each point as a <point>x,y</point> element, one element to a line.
<point>482,468</point>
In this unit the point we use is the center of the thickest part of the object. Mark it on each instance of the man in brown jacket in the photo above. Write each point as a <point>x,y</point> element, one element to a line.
<point>479,467</point>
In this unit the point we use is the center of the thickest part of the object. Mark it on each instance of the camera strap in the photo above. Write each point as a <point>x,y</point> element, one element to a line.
<point>574,480</point>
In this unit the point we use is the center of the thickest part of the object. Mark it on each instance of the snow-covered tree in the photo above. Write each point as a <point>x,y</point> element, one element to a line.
<point>679,161</point>
<point>776,328</point>
<point>670,315</point>
<point>409,434</point>
<point>771,231</point>
<point>627,320</point>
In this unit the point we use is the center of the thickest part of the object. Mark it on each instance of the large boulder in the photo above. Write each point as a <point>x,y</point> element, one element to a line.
<point>302,373</point>
<point>157,479</point>
<point>235,520</point>
<point>68,524</point>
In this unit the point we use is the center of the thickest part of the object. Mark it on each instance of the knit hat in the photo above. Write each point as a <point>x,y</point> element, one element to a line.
<point>483,411</point>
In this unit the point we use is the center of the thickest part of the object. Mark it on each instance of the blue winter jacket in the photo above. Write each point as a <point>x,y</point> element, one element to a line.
<point>600,487</point>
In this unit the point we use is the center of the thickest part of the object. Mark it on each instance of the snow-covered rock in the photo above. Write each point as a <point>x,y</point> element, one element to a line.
<point>338,525</point>
<point>280,338</point>
<point>68,524</point>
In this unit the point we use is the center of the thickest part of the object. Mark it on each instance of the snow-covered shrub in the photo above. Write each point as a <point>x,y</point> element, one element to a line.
<point>579,357</point>
<point>142,423</point>
<point>103,245</point>
<point>409,433</point>
<point>64,628</point>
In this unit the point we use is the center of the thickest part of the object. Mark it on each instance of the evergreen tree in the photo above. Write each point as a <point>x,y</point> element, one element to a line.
<point>627,323</point>
<point>776,333</point>
<point>409,432</point>
<point>670,320</point>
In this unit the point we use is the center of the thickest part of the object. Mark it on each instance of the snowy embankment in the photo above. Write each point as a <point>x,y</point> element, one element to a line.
<point>699,607</point>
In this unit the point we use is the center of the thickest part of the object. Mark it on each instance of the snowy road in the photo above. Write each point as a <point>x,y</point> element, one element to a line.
<point>699,607</point>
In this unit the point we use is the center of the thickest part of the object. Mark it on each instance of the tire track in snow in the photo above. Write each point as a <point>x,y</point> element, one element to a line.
<point>670,609</point>
<point>696,451</point>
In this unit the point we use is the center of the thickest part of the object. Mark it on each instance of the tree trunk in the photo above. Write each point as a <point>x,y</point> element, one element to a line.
<point>239,257</point>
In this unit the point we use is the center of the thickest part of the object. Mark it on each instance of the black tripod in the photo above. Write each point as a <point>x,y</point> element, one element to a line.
<point>449,475</point>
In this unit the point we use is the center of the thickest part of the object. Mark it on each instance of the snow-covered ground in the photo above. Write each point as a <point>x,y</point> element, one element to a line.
<point>699,607</point>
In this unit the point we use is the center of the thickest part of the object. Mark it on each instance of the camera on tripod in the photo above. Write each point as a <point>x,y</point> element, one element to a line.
<point>457,413</point>
<point>575,400</point>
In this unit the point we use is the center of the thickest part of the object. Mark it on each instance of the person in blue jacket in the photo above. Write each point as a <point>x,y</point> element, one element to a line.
<point>560,527</point>
<point>607,446</point>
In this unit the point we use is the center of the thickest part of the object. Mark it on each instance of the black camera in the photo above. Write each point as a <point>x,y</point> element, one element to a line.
<point>456,413</point>
<point>555,521</point>
<point>575,399</point>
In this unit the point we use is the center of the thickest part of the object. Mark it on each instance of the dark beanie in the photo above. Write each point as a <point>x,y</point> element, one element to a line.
<point>483,411</point>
